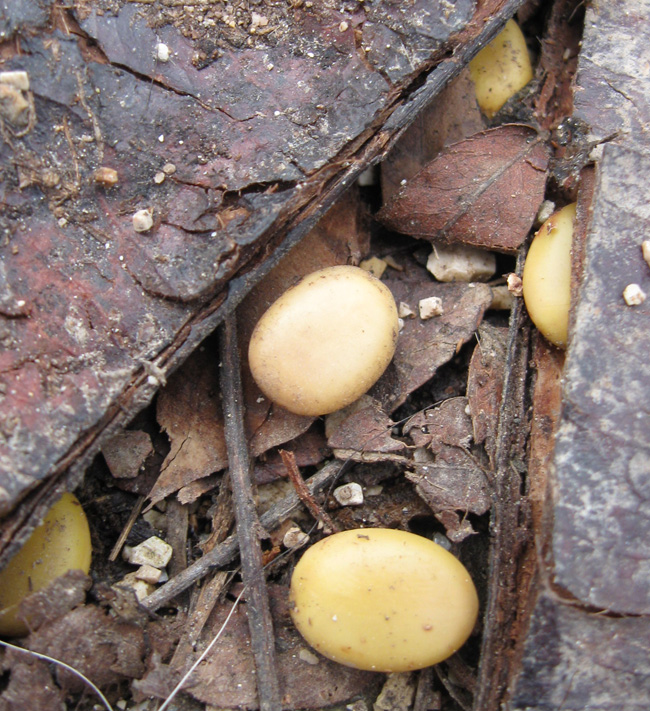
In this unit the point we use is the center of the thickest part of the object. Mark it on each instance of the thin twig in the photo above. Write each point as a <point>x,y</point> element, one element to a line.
<point>260,621</point>
<point>224,553</point>
<point>135,512</point>
<point>307,498</point>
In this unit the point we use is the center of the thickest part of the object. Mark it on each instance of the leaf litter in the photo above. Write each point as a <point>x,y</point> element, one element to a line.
<point>423,464</point>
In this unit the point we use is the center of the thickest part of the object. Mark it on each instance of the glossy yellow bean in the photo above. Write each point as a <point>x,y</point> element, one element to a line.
<point>59,544</point>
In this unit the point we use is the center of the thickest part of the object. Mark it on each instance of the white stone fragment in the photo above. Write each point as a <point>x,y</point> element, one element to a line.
<point>294,537</point>
<point>143,220</point>
<point>375,266</point>
<point>149,574</point>
<point>645,249</point>
<point>308,656</point>
<point>159,177</point>
<point>430,307</point>
<point>162,52</point>
<point>502,298</point>
<point>515,284</point>
<point>458,262</point>
<point>154,551</point>
<point>141,588</point>
<point>634,295</point>
<point>405,311</point>
<point>17,79</point>
<point>169,169</point>
<point>349,494</point>
<point>546,209</point>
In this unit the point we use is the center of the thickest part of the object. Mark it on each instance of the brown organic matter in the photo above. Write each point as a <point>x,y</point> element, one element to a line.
<point>484,190</point>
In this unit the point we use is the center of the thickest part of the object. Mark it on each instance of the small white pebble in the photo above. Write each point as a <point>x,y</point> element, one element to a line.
<point>645,249</point>
<point>349,494</point>
<point>162,52</point>
<point>141,588</point>
<point>159,177</point>
<point>169,169</point>
<point>343,26</point>
<point>405,311</point>
<point>515,284</point>
<point>294,537</point>
<point>143,220</point>
<point>460,262</point>
<point>546,209</point>
<point>62,221</point>
<point>17,79</point>
<point>148,573</point>
<point>161,138</point>
<point>430,307</point>
<point>154,551</point>
<point>305,655</point>
<point>375,266</point>
<point>634,295</point>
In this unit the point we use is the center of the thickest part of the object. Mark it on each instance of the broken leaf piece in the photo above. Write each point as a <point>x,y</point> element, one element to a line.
<point>423,346</point>
<point>484,191</point>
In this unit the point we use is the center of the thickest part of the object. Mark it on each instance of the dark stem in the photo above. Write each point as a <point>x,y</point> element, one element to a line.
<point>307,498</point>
<point>248,526</point>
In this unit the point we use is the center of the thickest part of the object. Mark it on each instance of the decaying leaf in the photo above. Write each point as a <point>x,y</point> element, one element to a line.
<point>485,384</point>
<point>54,601</point>
<point>226,679</point>
<point>484,191</point>
<point>189,410</point>
<point>453,116</point>
<point>367,429</point>
<point>126,452</point>
<point>423,346</point>
<point>453,480</point>
<point>103,648</point>
<point>29,685</point>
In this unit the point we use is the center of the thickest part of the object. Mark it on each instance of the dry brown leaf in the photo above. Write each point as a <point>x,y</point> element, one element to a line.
<point>189,410</point>
<point>423,346</point>
<point>453,116</point>
<point>453,480</point>
<point>226,679</point>
<point>483,191</point>
<point>29,685</point>
<point>485,384</point>
<point>103,648</point>
<point>126,452</point>
<point>366,430</point>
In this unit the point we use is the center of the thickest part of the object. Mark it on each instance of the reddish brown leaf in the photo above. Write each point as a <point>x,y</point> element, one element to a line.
<point>484,191</point>
<point>453,116</point>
